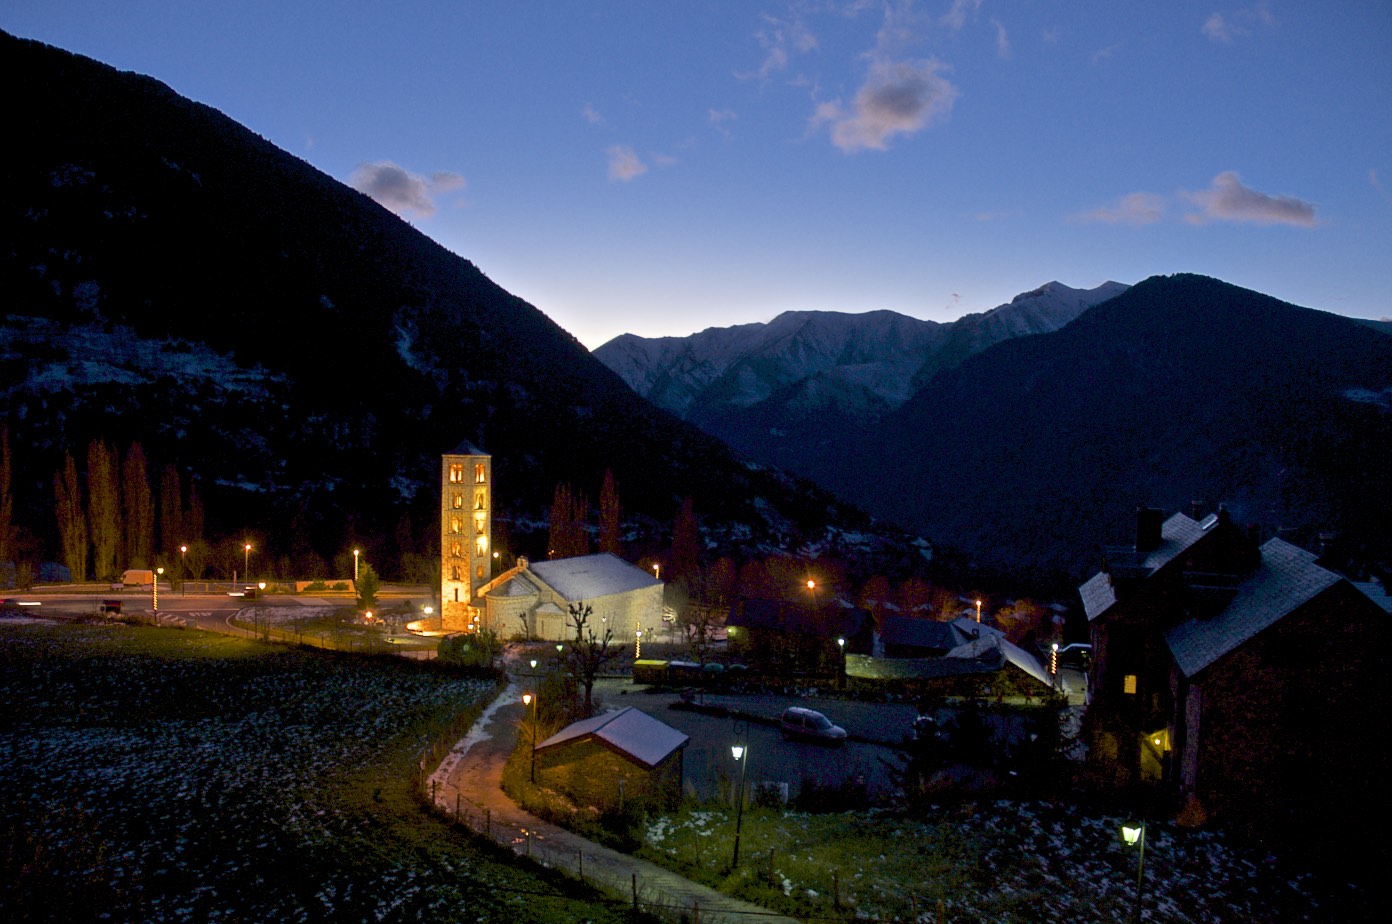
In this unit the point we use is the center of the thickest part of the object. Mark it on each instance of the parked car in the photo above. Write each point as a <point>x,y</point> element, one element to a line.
<point>1075,655</point>
<point>810,725</point>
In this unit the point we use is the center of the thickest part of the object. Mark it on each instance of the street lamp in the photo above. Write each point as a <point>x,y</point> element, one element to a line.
<point>637,644</point>
<point>1134,836</point>
<point>527,700</point>
<point>841,647</point>
<point>246,562</point>
<point>355,567</point>
<point>741,755</point>
<point>183,567</point>
<point>657,570</point>
<point>812,586</point>
<point>978,611</point>
<point>154,599</point>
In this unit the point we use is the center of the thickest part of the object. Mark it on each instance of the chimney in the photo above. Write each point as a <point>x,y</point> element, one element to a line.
<point>522,563</point>
<point>1148,525</point>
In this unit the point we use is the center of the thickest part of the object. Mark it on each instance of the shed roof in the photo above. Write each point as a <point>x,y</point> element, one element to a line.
<point>630,731</point>
<point>1286,579</point>
<point>917,633</point>
<point>586,577</point>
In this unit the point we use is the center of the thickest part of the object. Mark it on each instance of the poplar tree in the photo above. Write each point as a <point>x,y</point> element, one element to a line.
<point>565,536</point>
<point>686,543</point>
<point>138,509</point>
<point>7,546</point>
<point>103,509</point>
<point>610,515</point>
<point>72,528</point>
<point>171,510</point>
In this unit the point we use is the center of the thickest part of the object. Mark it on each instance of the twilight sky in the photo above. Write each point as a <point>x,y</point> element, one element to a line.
<point>663,167</point>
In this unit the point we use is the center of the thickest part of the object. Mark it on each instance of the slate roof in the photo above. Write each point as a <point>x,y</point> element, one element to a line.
<point>794,618</point>
<point>466,448</point>
<point>586,577</point>
<point>630,731</point>
<point>515,586</point>
<point>1377,593</point>
<point>917,633</point>
<point>1177,534</point>
<point>1286,579</point>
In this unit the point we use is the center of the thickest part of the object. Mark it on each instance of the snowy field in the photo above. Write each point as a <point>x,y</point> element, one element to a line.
<point>159,775</point>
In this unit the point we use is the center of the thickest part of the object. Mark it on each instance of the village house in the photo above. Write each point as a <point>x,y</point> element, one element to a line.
<point>1239,680</point>
<point>533,599</point>
<point>795,636</point>
<point>615,757</point>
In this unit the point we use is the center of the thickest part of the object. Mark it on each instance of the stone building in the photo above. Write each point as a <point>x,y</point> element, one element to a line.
<point>611,758</point>
<point>466,524</point>
<point>533,599</point>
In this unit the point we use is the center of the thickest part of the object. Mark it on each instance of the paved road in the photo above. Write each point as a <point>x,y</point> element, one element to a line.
<point>469,781</point>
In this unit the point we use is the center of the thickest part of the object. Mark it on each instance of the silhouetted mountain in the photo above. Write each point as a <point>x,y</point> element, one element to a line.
<point>170,277</point>
<point>782,390</point>
<point>1036,451</point>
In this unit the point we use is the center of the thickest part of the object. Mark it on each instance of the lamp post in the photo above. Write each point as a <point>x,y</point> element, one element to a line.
<point>355,567</point>
<point>183,567</point>
<point>246,562</point>
<point>841,647</point>
<point>741,755</point>
<point>978,611</point>
<point>657,570</point>
<point>812,586</point>
<point>1134,836</point>
<point>154,593</point>
<point>1053,663</point>
<point>637,644</point>
<point>530,700</point>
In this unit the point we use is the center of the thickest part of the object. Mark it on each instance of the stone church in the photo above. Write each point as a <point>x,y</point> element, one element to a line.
<point>466,527</point>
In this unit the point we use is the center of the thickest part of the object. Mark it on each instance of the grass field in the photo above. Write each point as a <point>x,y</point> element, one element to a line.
<point>164,775</point>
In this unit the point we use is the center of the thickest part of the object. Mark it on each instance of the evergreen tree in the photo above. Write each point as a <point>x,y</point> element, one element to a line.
<point>103,509</point>
<point>193,516</point>
<point>138,509</point>
<point>72,528</point>
<point>367,586</point>
<point>610,515</point>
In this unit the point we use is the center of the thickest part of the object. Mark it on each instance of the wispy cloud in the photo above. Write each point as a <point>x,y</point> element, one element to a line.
<point>1002,40</point>
<point>1224,28</point>
<point>1376,182</point>
<point>1139,208</point>
<point>718,119</point>
<point>624,164</point>
<point>956,17</point>
<point>898,98</point>
<point>1104,54</point>
<point>1228,200</point>
<point>402,191</point>
<point>780,40</point>
<point>590,114</point>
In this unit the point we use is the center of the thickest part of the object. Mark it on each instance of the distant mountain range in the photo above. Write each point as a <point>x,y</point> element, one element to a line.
<point>772,390</point>
<point>1028,452</point>
<point>305,356</point>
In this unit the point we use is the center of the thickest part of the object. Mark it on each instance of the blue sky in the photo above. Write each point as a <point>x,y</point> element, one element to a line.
<point>661,167</point>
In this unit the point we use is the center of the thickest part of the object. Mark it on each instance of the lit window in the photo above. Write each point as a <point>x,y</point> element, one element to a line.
<point>480,570</point>
<point>478,500</point>
<point>456,524</point>
<point>457,501</point>
<point>456,473</point>
<point>456,549</point>
<point>478,473</point>
<point>454,574</point>
<point>478,523</point>
<point>482,545</point>
<point>1128,684</point>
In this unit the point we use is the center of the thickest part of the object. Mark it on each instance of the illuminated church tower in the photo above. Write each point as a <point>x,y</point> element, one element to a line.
<point>466,526</point>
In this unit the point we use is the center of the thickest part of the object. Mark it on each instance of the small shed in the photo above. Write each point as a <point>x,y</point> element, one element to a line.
<point>605,760</point>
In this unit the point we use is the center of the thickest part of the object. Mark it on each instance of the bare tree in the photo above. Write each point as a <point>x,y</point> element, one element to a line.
<point>587,654</point>
<point>72,527</point>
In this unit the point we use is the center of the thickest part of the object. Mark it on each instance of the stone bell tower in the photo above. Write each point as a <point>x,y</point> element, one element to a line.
<point>466,528</point>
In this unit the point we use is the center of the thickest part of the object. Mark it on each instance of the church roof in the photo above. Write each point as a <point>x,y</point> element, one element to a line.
<point>515,586</point>
<point>630,731</point>
<point>586,577</point>
<point>466,448</point>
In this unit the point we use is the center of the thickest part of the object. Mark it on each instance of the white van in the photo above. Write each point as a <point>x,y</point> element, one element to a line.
<point>810,725</point>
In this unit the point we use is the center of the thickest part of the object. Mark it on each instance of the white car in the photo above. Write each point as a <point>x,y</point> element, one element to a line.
<point>810,725</point>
